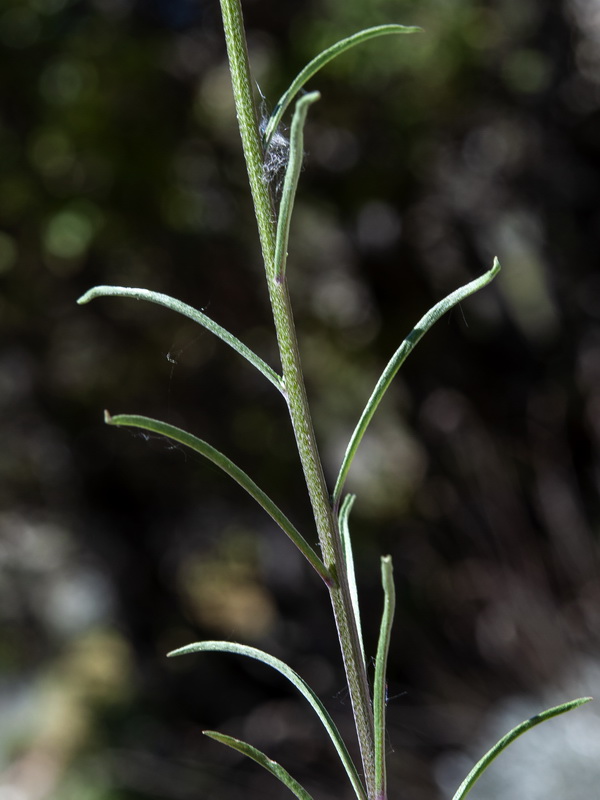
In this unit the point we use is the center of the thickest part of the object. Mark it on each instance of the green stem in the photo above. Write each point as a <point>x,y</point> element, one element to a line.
<point>327,527</point>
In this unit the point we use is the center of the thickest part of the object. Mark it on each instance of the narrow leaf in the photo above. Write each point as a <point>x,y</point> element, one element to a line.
<point>299,683</point>
<point>324,58</point>
<point>257,755</point>
<point>349,558</point>
<point>487,759</point>
<point>290,183</point>
<point>399,357</point>
<point>379,688</point>
<point>214,455</point>
<point>191,313</point>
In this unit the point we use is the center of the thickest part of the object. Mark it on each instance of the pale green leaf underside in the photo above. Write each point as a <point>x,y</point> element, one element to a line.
<point>214,455</point>
<point>399,357</point>
<point>379,686</point>
<point>290,183</point>
<point>324,58</point>
<point>191,313</point>
<point>257,755</point>
<point>487,759</point>
<point>299,683</point>
<point>349,558</point>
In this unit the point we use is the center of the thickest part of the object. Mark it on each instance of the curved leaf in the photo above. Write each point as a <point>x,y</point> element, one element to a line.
<point>399,357</point>
<point>191,313</point>
<point>214,455</point>
<point>379,688</point>
<point>487,759</point>
<point>299,683</point>
<point>324,58</point>
<point>349,556</point>
<point>290,183</point>
<point>257,755</point>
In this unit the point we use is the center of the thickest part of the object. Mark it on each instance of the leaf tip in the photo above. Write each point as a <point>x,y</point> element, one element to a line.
<point>406,29</point>
<point>581,701</point>
<point>108,417</point>
<point>348,503</point>
<point>85,298</point>
<point>181,651</point>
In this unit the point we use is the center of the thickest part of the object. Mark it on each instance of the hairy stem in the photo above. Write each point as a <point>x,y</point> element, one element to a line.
<point>326,522</point>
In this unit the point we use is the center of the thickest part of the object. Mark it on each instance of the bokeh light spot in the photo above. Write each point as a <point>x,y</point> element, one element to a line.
<point>526,71</point>
<point>63,81</point>
<point>69,233</point>
<point>51,153</point>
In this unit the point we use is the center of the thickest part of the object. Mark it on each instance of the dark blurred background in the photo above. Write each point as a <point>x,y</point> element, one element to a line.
<point>427,155</point>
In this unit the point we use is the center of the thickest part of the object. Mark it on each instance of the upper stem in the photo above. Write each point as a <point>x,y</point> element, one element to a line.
<point>325,519</point>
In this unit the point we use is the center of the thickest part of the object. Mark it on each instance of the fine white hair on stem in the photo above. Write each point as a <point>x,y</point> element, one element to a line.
<point>276,158</point>
<point>277,149</point>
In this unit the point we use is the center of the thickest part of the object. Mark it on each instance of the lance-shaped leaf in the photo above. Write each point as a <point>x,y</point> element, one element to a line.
<point>324,58</point>
<point>299,683</point>
<point>379,687</point>
<point>257,755</point>
<point>349,558</point>
<point>214,455</point>
<point>290,183</point>
<point>191,313</point>
<point>396,362</point>
<point>487,759</point>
